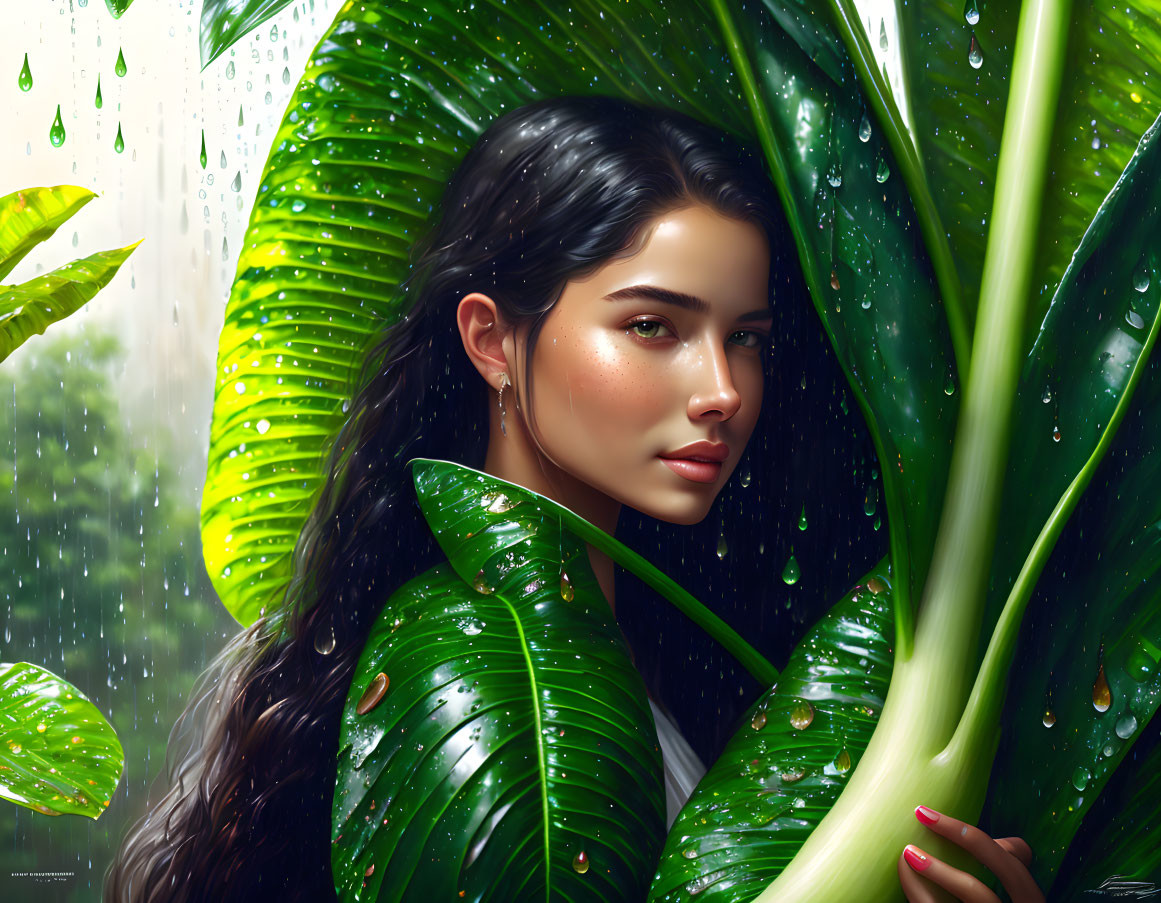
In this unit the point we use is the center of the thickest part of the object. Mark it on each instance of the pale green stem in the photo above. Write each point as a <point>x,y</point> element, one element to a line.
<point>952,609</point>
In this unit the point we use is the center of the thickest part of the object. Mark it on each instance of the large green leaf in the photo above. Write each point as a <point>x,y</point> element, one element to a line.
<point>392,99</point>
<point>225,21</point>
<point>58,753</point>
<point>118,7</point>
<point>30,216</point>
<point>790,758</point>
<point>1086,677</point>
<point>511,716</point>
<point>30,308</point>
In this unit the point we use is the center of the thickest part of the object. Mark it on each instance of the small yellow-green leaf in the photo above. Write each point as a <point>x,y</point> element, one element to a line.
<point>30,216</point>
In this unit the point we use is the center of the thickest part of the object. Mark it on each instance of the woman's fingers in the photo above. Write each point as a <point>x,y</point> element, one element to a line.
<point>960,884</point>
<point>1017,847</point>
<point>1003,862</point>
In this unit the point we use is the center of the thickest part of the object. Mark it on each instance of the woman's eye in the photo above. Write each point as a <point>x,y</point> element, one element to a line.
<point>751,339</point>
<point>650,328</point>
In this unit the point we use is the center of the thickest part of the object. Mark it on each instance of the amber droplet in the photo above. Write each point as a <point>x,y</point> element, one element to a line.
<point>759,720</point>
<point>1049,718</point>
<point>801,715</point>
<point>481,585</point>
<point>580,862</point>
<point>373,694</point>
<point>1102,697</point>
<point>876,586</point>
<point>566,589</point>
<point>834,280</point>
<point>370,871</point>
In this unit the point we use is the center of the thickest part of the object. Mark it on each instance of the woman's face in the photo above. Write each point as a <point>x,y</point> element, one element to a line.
<point>624,378</point>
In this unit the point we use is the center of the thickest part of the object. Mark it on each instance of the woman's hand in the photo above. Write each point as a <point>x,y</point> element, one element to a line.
<point>1007,857</point>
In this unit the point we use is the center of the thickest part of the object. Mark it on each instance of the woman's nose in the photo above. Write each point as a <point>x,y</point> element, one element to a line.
<point>715,393</point>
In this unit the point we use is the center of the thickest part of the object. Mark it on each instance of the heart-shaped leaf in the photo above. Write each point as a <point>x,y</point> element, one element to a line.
<point>58,753</point>
<point>789,759</point>
<point>495,700</point>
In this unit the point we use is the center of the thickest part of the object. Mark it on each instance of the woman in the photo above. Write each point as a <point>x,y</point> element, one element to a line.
<point>588,320</point>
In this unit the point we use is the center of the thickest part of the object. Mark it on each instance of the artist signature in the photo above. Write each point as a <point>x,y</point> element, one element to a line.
<point>1116,886</point>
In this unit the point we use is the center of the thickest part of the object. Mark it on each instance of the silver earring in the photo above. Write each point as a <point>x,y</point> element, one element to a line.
<point>503,382</point>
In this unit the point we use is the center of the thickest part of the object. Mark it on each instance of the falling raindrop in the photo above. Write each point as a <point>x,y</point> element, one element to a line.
<point>870,500</point>
<point>801,715</point>
<point>274,32</point>
<point>236,185</point>
<point>99,101</point>
<point>1047,396</point>
<point>222,159</point>
<point>882,171</point>
<point>241,120</point>
<point>1096,142</point>
<point>286,75</point>
<point>203,158</point>
<point>1126,726</point>
<point>971,12</point>
<point>230,69</point>
<point>24,80</point>
<point>1102,697</point>
<point>56,134</point>
<point>949,384</point>
<point>722,548</point>
<point>1141,276</point>
<point>119,143</point>
<point>1056,432</point>
<point>975,55</point>
<point>802,519</point>
<point>790,573</point>
<point>882,34</point>
<point>865,128</point>
<point>580,862</point>
<point>373,694</point>
<point>120,68</point>
<point>566,588</point>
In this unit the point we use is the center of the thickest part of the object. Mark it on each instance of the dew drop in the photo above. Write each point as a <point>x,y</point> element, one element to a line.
<point>324,642</point>
<point>1134,319</point>
<point>802,519</point>
<point>1141,276</point>
<point>580,862</point>
<point>1126,726</point>
<point>373,694</point>
<point>120,68</point>
<point>834,279</point>
<point>1080,777</point>
<point>801,715</point>
<point>975,54</point>
<point>472,627</point>
<point>759,720</point>
<point>865,128</point>
<point>877,585</point>
<point>842,762</point>
<point>722,548</point>
<point>25,78</point>
<point>1109,751</point>
<point>882,171</point>
<point>949,384</point>
<point>834,177</point>
<point>971,12</point>
<point>56,134</point>
<point>1102,697</point>
<point>689,853</point>
<point>1047,396</point>
<point>566,588</point>
<point>793,775</point>
<point>481,585</point>
<point>790,573</point>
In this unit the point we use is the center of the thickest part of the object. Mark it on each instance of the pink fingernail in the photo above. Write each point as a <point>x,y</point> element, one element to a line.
<point>915,859</point>
<point>925,815</point>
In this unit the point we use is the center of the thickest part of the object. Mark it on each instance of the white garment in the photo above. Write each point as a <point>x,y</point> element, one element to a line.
<point>683,769</point>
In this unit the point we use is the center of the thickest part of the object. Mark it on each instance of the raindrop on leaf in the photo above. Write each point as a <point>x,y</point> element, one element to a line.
<point>975,54</point>
<point>1126,727</point>
<point>1102,697</point>
<point>882,171</point>
<point>865,128</point>
<point>801,715</point>
<point>1141,277</point>
<point>580,862</point>
<point>971,12</point>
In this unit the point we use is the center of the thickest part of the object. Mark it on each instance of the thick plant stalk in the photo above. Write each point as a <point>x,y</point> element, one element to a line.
<point>852,854</point>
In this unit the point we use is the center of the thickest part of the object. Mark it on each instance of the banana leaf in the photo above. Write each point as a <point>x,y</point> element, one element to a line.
<point>225,22</point>
<point>58,753</point>
<point>29,217</point>
<point>496,700</point>
<point>118,7</point>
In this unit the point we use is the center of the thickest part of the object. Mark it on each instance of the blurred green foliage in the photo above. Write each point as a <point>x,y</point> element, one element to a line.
<point>101,581</point>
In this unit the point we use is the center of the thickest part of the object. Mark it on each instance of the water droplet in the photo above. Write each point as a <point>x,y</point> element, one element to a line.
<point>25,78</point>
<point>865,128</point>
<point>1140,664</point>
<point>697,885</point>
<point>802,519</point>
<point>745,478</point>
<point>842,762</point>
<point>975,54</point>
<point>792,775</point>
<point>120,68</point>
<point>1049,718</point>
<point>119,142</point>
<point>1141,276</point>
<point>871,499</point>
<point>324,641</point>
<point>99,100</point>
<point>236,185</point>
<point>241,121</point>
<point>759,720</point>
<point>882,34</point>
<point>1047,396</point>
<point>949,384</point>
<point>1102,697</point>
<point>1109,751</point>
<point>882,171</point>
<point>580,862</point>
<point>222,159</point>
<point>689,853</point>
<point>481,585</point>
<point>230,69</point>
<point>566,589</point>
<point>834,279</point>
<point>204,158</point>
<point>41,728</point>
<point>370,871</point>
<point>1056,432</point>
<point>834,176</point>
<point>971,12</point>
<point>1134,319</point>
<point>1080,777</point>
<point>57,133</point>
<point>373,694</point>
<point>790,573</point>
<point>1135,97</point>
<point>497,503</point>
<point>286,75</point>
<point>1126,726</point>
<point>801,715</point>
<point>877,585</point>
<point>472,627</point>
<point>1096,142</point>
<point>722,548</point>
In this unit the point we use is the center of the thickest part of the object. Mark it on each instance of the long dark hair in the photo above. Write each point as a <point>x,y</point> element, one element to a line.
<point>548,193</point>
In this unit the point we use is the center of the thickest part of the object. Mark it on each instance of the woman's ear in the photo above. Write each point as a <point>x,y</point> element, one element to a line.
<point>483,336</point>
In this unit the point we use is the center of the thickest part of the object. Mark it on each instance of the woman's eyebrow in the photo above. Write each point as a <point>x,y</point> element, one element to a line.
<point>678,299</point>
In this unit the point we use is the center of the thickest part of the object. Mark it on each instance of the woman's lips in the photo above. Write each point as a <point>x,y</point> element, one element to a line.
<point>697,471</point>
